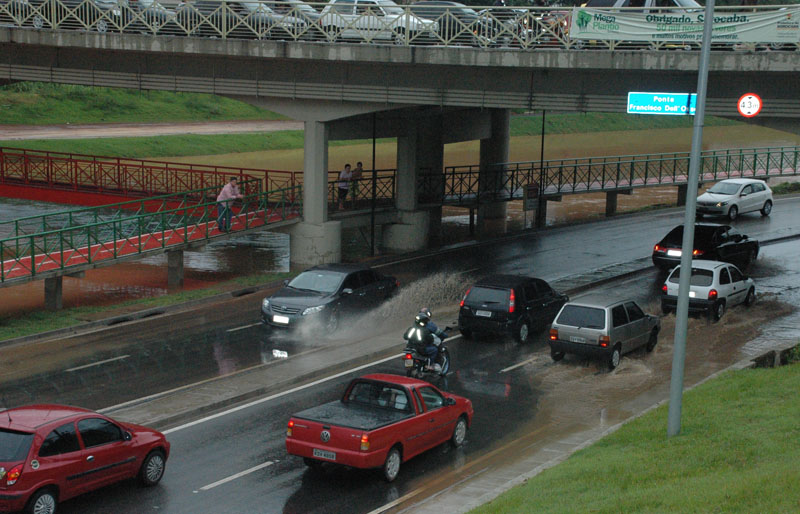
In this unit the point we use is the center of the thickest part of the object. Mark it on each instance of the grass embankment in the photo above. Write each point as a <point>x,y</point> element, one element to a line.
<point>36,103</point>
<point>786,188</point>
<point>737,452</point>
<point>44,321</point>
<point>188,145</point>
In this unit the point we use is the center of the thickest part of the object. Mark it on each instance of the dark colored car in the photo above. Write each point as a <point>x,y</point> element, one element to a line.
<point>458,24</point>
<point>711,242</point>
<point>324,294</point>
<point>50,453</point>
<point>508,305</point>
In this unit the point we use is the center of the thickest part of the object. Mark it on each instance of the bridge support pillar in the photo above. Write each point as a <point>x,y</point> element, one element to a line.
<point>315,243</point>
<point>53,299</point>
<point>492,215</point>
<point>611,200</point>
<point>682,194</point>
<point>175,268</point>
<point>409,234</point>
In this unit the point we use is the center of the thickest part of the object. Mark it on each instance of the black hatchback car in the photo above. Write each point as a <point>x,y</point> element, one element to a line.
<point>711,242</point>
<point>323,294</point>
<point>508,305</point>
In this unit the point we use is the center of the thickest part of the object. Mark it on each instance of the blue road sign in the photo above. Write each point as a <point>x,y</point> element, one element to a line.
<point>671,104</point>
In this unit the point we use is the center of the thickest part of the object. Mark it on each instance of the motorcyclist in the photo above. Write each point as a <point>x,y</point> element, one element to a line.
<point>427,337</point>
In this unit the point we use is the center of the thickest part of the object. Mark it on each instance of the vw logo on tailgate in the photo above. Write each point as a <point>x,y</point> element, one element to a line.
<point>325,436</point>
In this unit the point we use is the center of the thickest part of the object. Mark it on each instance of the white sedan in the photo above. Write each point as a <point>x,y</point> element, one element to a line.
<point>735,196</point>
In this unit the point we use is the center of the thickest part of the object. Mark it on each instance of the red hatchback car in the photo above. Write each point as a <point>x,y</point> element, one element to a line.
<point>50,453</point>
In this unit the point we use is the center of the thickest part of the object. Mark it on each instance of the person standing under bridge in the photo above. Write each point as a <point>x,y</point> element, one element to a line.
<point>345,177</point>
<point>225,200</point>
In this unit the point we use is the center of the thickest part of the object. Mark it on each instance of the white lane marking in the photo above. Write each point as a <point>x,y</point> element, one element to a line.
<point>277,395</point>
<point>237,475</point>
<point>98,363</point>
<point>519,364</point>
<point>242,328</point>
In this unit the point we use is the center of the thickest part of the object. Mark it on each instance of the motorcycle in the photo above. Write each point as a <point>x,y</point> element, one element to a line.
<point>415,361</point>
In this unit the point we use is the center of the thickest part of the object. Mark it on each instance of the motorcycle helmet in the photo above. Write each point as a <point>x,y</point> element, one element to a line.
<point>426,311</point>
<point>421,319</point>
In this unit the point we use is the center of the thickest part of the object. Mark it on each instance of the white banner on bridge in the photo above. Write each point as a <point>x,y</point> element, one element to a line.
<point>779,26</point>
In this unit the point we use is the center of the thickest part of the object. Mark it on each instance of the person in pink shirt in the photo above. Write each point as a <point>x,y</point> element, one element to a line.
<point>225,200</point>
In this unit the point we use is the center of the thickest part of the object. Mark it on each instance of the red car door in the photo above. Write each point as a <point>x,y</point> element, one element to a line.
<point>109,456</point>
<point>439,421</point>
<point>416,431</point>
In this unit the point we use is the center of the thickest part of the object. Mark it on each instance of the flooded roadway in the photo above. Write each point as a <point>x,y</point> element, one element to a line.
<point>522,401</point>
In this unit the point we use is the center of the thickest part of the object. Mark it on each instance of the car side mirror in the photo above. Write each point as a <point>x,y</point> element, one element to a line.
<point>347,291</point>
<point>127,436</point>
<point>286,282</point>
<point>450,401</point>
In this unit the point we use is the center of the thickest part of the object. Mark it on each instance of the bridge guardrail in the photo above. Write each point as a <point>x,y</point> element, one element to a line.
<point>523,28</point>
<point>117,232</point>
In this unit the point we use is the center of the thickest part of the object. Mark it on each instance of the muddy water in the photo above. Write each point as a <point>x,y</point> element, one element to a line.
<point>268,252</point>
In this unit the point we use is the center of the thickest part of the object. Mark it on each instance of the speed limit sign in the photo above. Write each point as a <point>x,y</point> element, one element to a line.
<point>749,105</point>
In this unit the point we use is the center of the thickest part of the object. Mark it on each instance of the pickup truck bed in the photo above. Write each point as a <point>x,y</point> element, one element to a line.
<point>353,415</point>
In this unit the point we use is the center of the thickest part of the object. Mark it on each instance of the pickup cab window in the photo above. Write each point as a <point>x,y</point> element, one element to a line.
<point>379,395</point>
<point>431,398</point>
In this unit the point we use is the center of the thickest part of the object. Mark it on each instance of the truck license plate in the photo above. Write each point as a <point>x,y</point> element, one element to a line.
<point>484,314</point>
<point>576,339</point>
<point>323,454</point>
<point>409,363</point>
<point>280,319</point>
<point>674,253</point>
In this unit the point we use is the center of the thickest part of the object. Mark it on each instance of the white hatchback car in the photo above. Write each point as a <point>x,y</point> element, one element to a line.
<point>713,288</point>
<point>735,196</point>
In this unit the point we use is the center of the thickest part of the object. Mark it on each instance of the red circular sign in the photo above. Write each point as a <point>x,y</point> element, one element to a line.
<point>749,105</point>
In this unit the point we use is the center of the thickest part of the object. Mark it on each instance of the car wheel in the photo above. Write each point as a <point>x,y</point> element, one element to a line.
<point>556,356</point>
<point>332,324</point>
<point>459,432</point>
<point>767,208</point>
<point>399,37</point>
<point>522,332</point>
<point>613,359</point>
<point>391,467</point>
<point>466,333</point>
<point>38,21</point>
<point>101,26</point>
<point>750,299</point>
<point>651,343</point>
<point>152,468</point>
<point>733,212</point>
<point>717,311</point>
<point>44,501</point>
<point>314,464</point>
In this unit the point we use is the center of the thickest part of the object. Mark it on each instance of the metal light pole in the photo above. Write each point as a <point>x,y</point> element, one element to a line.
<point>374,187</point>
<point>682,310</point>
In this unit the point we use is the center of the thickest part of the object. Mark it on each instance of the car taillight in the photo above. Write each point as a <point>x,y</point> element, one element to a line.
<point>364,442</point>
<point>465,297</point>
<point>712,295</point>
<point>697,252</point>
<point>553,334</point>
<point>289,428</point>
<point>658,248</point>
<point>13,474</point>
<point>664,288</point>
<point>604,341</point>
<point>396,283</point>
<point>511,302</point>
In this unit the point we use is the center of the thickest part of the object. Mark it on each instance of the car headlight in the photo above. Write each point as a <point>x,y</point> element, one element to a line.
<point>312,310</point>
<point>265,304</point>
<point>722,204</point>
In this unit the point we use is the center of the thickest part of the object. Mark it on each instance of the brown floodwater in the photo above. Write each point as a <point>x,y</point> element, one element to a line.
<point>268,251</point>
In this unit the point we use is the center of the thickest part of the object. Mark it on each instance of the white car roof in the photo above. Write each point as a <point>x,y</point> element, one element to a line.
<point>742,180</point>
<point>703,264</point>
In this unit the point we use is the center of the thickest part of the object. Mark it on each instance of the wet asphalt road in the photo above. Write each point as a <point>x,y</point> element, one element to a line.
<point>513,389</point>
<point>153,355</point>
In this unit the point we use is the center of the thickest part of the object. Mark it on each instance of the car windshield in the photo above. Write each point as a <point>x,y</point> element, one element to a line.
<point>724,188</point>
<point>317,281</point>
<point>582,316</point>
<point>488,295</point>
<point>390,7</point>
<point>14,446</point>
<point>700,277</point>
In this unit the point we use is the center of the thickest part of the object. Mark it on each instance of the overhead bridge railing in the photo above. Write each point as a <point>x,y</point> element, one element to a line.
<point>523,28</point>
<point>91,236</point>
<point>118,175</point>
<point>469,185</point>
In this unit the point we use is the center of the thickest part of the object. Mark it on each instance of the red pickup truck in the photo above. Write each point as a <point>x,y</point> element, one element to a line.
<point>381,421</point>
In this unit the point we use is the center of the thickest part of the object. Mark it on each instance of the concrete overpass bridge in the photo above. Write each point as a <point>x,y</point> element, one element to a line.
<point>424,91</point>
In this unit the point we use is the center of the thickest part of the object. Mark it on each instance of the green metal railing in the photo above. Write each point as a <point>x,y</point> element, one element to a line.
<point>106,233</point>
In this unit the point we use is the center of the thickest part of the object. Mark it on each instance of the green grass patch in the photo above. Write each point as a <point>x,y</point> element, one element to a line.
<point>37,103</point>
<point>531,125</point>
<point>44,321</point>
<point>786,188</point>
<point>737,452</point>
